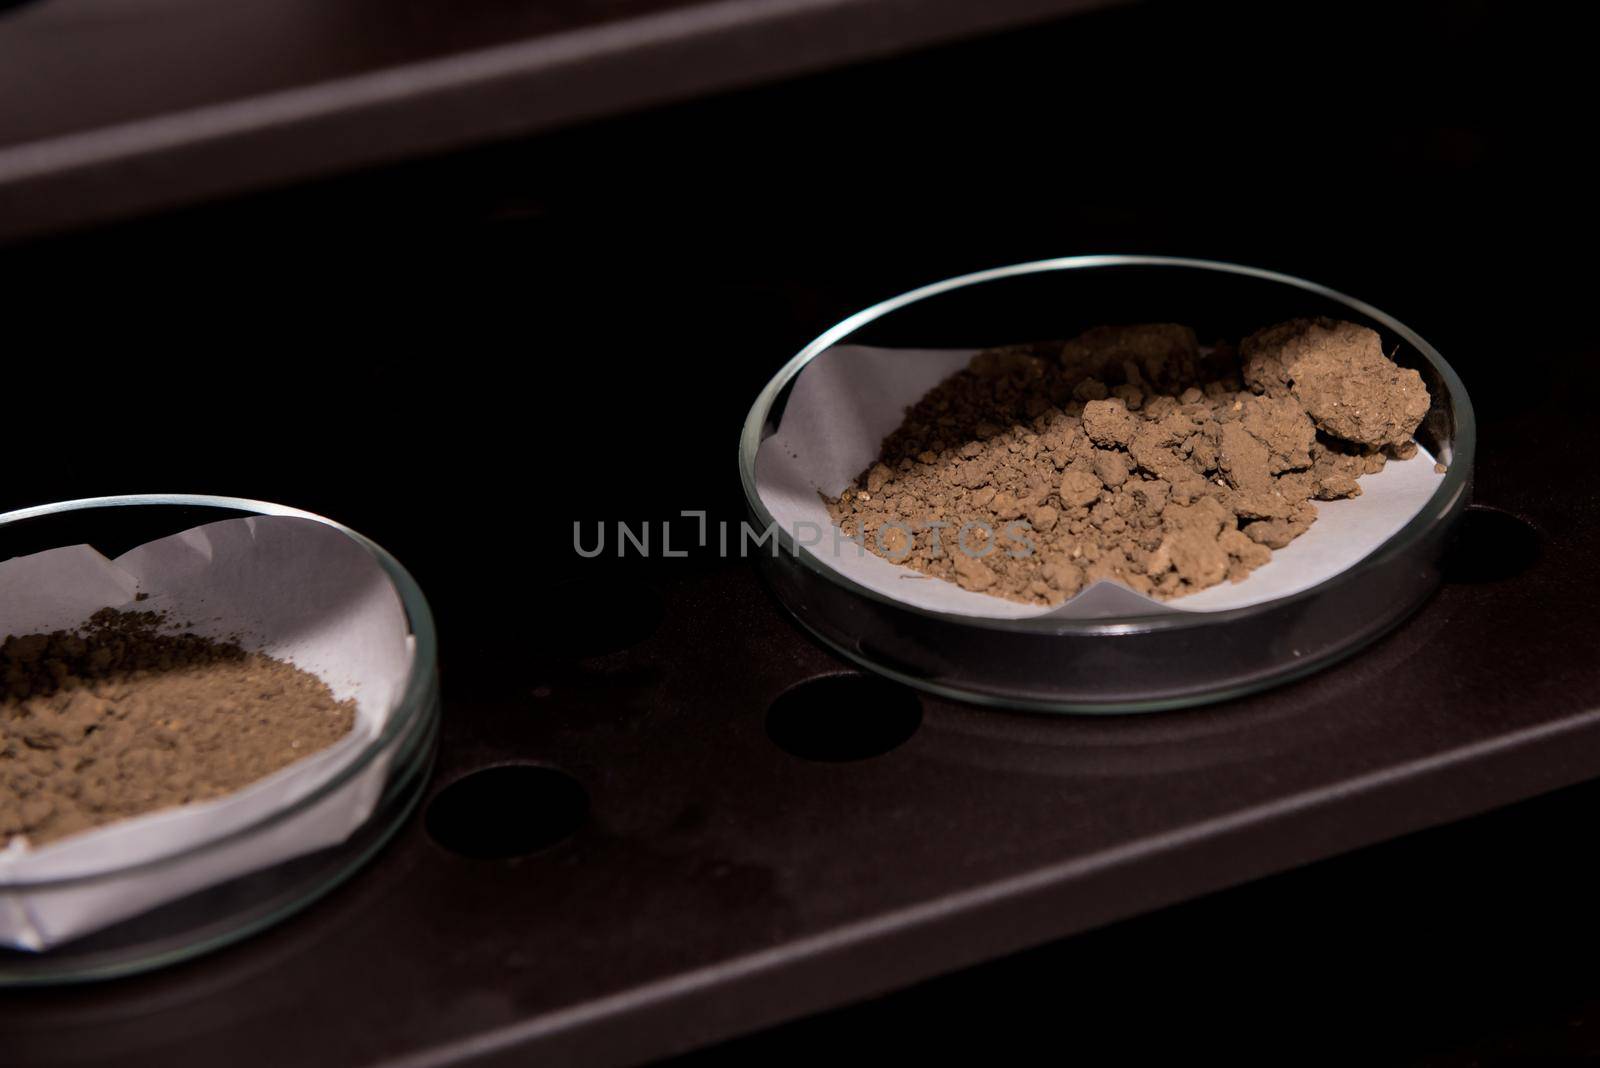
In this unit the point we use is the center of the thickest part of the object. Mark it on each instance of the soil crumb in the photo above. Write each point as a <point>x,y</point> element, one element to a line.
<point>1130,454</point>
<point>123,716</point>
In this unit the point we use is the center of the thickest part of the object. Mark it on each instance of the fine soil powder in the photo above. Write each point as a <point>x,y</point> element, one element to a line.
<point>1129,454</point>
<point>123,716</point>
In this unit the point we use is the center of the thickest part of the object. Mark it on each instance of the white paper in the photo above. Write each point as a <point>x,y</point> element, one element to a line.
<point>293,588</point>
<point>850,397</point>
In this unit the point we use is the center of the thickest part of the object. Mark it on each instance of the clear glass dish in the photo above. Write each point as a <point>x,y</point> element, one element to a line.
<point>1131,663</point>
<point>225,912</point>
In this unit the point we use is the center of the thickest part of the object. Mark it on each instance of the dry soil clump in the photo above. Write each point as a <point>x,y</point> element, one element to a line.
<point>1129,454</point>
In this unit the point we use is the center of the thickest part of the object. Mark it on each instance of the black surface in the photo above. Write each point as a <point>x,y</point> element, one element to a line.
<point>469,355</point>
<point>108,108</point>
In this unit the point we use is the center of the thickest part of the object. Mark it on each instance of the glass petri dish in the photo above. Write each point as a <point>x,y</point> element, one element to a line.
<point>1126,663</point>
<point>226,912</point>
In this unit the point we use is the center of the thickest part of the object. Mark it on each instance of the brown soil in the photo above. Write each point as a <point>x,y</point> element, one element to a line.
<point>1127,454</point>
<point>123,717</point>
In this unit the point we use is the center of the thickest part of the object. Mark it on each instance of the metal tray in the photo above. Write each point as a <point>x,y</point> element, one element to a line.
<point>716,882</point>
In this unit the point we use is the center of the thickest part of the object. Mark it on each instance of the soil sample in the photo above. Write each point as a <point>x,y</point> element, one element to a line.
<point>124,716</point>
<point>1129,454</point>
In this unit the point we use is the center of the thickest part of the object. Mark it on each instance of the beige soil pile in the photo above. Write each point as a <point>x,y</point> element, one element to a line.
<point>124,717</point>
<point>1127,454</point>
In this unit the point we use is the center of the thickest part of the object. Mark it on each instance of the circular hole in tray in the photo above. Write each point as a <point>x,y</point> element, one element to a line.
<point>1491,545</point>
<point>843,717</point>
<point>507,811</point>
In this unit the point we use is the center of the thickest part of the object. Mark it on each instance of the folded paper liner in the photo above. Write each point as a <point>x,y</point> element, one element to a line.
<point>293,588</point>
<point>850,397</point>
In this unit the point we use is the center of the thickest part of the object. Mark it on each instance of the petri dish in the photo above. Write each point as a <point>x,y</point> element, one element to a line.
<point>1144,661</point>
<point>224,912</point>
